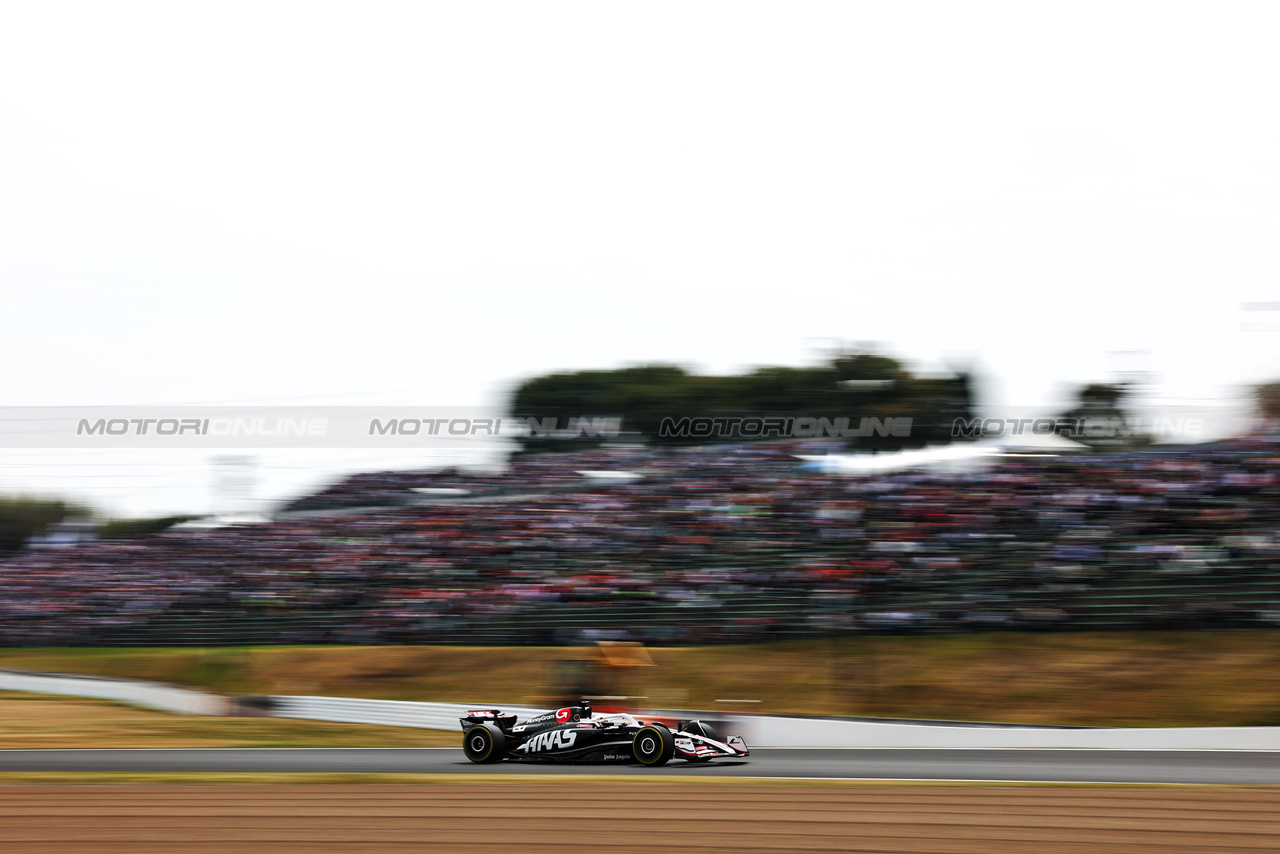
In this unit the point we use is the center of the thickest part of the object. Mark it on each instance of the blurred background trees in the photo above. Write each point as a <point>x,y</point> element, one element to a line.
<point>851,385</point>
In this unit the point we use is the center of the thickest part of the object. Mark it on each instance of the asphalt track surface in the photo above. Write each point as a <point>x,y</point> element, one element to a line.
<point>1055,766</point>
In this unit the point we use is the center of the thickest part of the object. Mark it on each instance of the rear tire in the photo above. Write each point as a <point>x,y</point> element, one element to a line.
<point>653,745</point>
<point>484,743</point>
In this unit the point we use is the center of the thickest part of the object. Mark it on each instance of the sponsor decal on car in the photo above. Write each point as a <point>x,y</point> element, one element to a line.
<point>554,740</point>
<point>563,715</point>
<point>481,714</point>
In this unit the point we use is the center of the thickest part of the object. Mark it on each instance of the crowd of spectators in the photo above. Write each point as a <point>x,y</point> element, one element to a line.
<point>706,544</point>
<point>534,473</point>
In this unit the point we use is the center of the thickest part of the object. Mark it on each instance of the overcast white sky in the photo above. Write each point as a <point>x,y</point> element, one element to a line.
<point>423,203</point>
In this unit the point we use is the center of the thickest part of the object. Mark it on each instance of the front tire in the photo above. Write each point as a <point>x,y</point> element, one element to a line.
<point>484,743</point>
<point>702,729</point>
<point>653,745</point>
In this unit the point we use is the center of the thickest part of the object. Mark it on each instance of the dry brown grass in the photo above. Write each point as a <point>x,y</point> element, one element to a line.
<point>1221,678</point>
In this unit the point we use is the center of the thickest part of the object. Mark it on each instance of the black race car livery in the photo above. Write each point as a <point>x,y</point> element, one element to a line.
<point>574,734</point>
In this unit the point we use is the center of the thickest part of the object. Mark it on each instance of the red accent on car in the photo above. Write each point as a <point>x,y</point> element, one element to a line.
<point>563,715</point>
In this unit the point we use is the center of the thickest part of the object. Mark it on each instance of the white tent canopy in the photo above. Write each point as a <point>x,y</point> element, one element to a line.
<point>210,523</point>
<point>1048,442</point>
<point>955,457</point>
<point>959,456</point>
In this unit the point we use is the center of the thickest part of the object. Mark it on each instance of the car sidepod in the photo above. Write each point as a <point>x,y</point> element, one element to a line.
<point>576,742</point>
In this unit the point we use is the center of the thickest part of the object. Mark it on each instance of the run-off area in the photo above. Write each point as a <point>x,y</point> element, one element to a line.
<point>631,817</point>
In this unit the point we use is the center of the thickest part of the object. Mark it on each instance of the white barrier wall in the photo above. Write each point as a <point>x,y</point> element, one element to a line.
<point>385,712</point>
<point>151,695</point>
<point>758,731</point>
<point>765,731</point>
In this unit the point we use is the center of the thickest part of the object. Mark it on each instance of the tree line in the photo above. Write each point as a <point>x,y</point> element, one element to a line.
<point>861,391</point>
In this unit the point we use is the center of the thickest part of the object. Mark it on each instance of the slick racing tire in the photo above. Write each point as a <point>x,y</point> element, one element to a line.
<point>705,730</point>
<point>653,745</point>
<point>484,743</point>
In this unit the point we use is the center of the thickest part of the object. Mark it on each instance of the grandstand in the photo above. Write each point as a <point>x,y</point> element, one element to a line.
<point>703,545</point>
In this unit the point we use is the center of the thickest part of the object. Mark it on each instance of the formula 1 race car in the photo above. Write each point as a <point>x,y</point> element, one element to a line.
<point>574,734</point>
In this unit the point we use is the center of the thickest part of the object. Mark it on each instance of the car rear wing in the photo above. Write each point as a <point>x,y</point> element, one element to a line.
<point>493,716</point>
